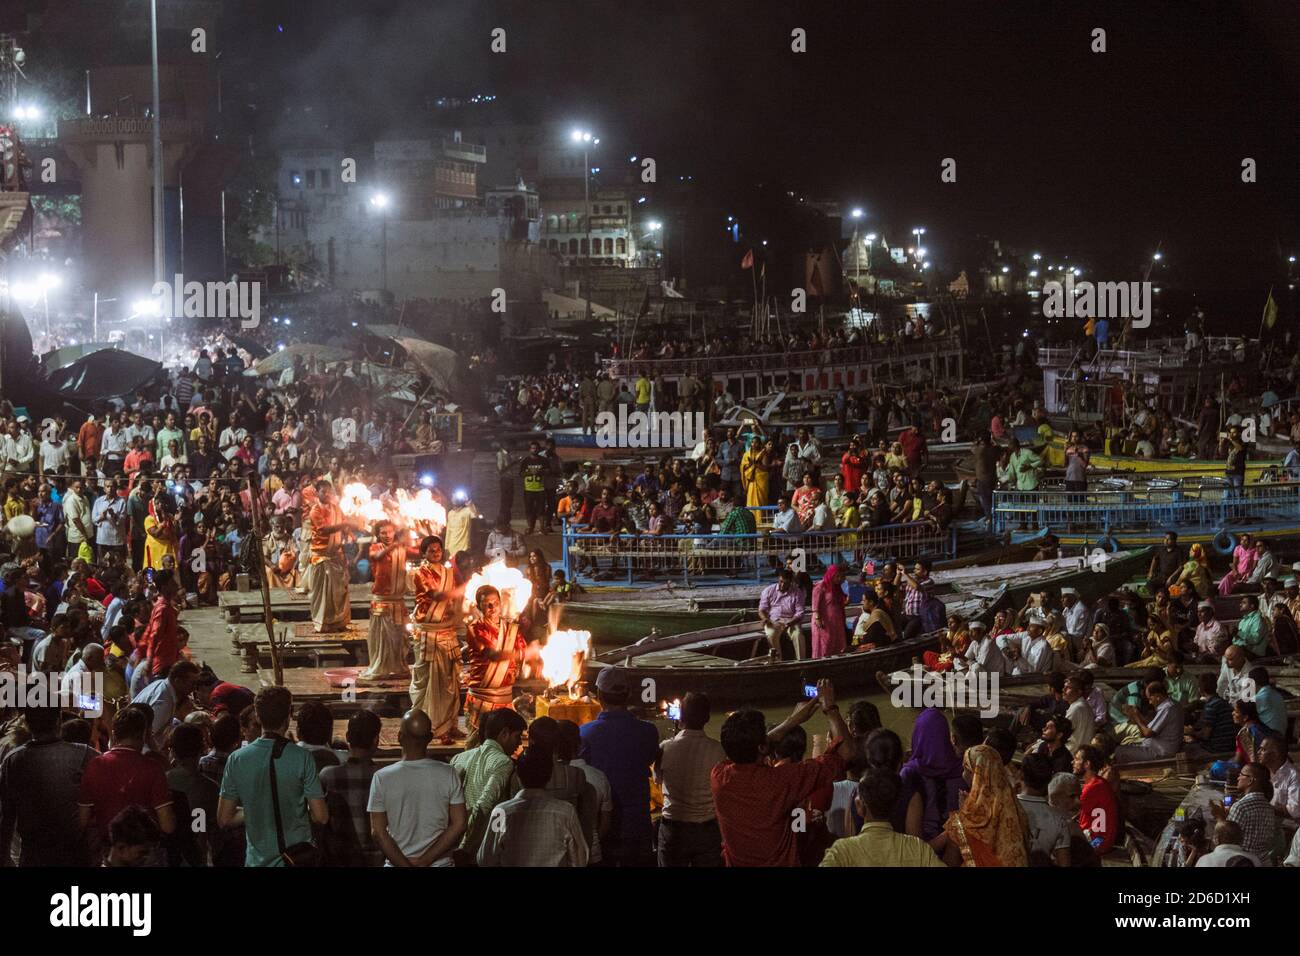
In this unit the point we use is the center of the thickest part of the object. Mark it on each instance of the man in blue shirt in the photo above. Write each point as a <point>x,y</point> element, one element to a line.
<point>1269,701</point>
<point>246,785</point>
<point>623,748</point>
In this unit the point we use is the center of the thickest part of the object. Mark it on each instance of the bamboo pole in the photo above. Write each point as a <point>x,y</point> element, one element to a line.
<point>263,584</point>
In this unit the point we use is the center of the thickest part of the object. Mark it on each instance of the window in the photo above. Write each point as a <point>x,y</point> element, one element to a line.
<point>573,247</point>
<point>311,179</point>
<point>324,179</point>
<point>553,245</point>
<point>609,247</point>
<point>620,209</point>
<point>622,246</point>
<point>582,247</point>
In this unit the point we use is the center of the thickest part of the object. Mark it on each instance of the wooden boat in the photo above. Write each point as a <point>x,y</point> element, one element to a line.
<point>1155,537</point>
<point>1054,457</point>
<point>726,664</point>
<point>622,617</point>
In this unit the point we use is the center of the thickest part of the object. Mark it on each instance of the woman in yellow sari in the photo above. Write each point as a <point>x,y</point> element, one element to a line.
<point>160,534</point>
<point>991,828</point>
<point>1195,573</point>
<point>754,474</point>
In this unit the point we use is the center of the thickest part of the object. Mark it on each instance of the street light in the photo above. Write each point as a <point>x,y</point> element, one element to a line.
<point>857,212</point>
<point>381,202</point>
<point>587,139</point>
<point>1158,256</point>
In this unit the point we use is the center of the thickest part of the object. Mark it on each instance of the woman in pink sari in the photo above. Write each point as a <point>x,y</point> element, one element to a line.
<point>828,628</point>
<point>1244,556</point>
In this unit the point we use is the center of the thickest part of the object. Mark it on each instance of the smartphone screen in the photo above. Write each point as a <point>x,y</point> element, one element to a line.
<point>809,691</point>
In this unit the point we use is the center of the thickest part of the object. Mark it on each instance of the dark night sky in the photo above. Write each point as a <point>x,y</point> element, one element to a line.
<point>1058,148</point>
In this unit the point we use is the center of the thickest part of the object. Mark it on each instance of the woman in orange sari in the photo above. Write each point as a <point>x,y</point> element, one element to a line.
<point>990,829</point>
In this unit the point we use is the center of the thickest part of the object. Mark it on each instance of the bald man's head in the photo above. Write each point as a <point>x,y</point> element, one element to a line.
<point>1235,657</point>
<point>416,731</point>
<point>1228,833</point>
<point>92,655</point>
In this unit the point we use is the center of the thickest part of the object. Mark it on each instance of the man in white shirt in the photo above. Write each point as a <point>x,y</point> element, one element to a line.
<point>139,429</point>
<point>1232,685</point>
<point>983,653</point>
<point>108,515</point>
<point>1282,775</point>
<point>343,430</point>
<point>688,827</point>
<point>417,805</point>
<point>572,739</point>
<point>1227,846</point>
<point>54,451</point>
<point>504,544</point>
<point>1081,716</point>
<point>231,437</point>
<point>1032,654</point>
<point>18,451</point>
<point>114,446</point>
<point>76,517</point>
<point>1162,735</point>
<point>1076,617</point>
<point>786,520</point>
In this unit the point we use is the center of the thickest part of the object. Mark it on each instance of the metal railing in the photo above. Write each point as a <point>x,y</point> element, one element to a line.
<point>781,361</point>
<point>1104,511</point>
<point>639,555</point>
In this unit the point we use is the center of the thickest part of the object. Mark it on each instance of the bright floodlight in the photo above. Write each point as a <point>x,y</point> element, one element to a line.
<point>379,200</point>
<point>857,212</point>
<point>25,291</point>
<point>655,226</point>
<point>1036,257</point>
<point>870,237</point>
<point>147,307</point>
<point>50,281</point>
<point>1006,269</point>
<point>1158,256</point>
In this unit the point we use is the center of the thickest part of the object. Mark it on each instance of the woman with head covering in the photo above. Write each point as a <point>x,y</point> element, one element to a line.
<point>1098,651</point>
<point>933,771</point>
<point>990,828</point>
<point>1195,573</point>
<point>1244,557</point>
<point>828,626</point>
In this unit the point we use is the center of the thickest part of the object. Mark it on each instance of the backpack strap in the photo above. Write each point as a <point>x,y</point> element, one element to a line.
<point>276,750</point>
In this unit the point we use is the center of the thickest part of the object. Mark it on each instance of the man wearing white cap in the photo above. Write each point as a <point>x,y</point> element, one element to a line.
<point>1075,614</point>
<point>1211,636</point>
<point>983,653</point>
<point>1028,652</point>
<point>1291,593</point>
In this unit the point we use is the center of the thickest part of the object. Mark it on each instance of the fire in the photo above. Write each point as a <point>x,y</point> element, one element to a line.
<point>563,655</point>
<point>514,587</point>
<point>419,512</point>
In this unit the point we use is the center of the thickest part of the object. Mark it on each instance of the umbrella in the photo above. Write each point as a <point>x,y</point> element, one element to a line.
<point>277,362</point>
<point>65,356</point>
<point>436,361</point>
<point>255,349</point>
<point>103,374</point>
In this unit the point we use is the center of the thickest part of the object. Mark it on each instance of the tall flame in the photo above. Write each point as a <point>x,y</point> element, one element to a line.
<point>514,587</point>
<point>419,512</point>
<point>563,655</point>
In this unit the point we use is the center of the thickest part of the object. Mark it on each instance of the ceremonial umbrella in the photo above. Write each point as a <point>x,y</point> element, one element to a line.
<point>277,362</point>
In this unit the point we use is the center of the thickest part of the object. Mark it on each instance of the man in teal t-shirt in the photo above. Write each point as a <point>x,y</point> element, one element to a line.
<point>246,785</point>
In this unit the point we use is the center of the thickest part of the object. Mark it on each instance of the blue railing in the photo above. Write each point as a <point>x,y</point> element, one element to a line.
<point>1139,509</point>
<point>633,555</point>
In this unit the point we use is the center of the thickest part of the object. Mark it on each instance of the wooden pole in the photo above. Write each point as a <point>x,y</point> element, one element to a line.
<point>263,584</point>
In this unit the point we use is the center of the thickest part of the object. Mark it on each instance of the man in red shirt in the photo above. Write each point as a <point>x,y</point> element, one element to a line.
<point>1098,810</point>
<point>162,645</point>
<point>914,449</point>
<point>758,805</point>
<point>89,438</point>
<point>122,777</point>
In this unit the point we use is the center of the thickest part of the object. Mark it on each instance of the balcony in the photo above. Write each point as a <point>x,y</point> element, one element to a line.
<point>468,152</point>
<point>112,129</point>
